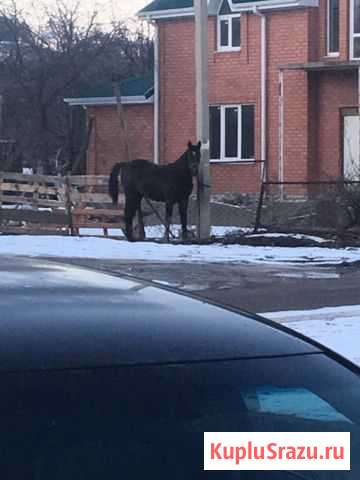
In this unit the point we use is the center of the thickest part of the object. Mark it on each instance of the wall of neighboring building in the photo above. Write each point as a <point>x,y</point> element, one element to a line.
<point>336,90</point>
<point>234,78</point>
<point>312,101</point>
<point>107,145</point>
<point>288,43</point>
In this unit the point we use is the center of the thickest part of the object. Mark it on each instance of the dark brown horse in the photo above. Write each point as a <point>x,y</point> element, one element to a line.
<point>171,184</point>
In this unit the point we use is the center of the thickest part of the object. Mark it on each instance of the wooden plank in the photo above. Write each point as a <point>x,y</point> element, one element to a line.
<point>85,180</point>
<point>35,216</point>
<point>91,198</point>
<point>42,202</point>
<point>104,211</point>
<point>22,187</point>
<point>98,225</point>
<point>98,211</point>
<point>73,209</point>
<point>35,229</point>
<point>33,178</point>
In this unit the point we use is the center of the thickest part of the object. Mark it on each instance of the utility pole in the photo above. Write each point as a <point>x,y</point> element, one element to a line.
<point>202,116</point>
<point>1,115</point>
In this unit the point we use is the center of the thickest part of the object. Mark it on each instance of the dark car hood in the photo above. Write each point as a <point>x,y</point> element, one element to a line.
<point>59,316</point>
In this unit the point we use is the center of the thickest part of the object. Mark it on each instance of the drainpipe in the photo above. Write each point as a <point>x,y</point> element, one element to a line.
<point>358,176</point>
<point>281,133</point>
<point>263,79</point>
<point>156,95</point>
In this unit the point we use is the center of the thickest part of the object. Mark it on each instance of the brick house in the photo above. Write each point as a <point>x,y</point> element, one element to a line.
<point>115,118</point>
<point>283,88</point>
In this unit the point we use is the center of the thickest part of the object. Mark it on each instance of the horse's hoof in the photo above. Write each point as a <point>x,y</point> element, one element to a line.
<point>185,236</point>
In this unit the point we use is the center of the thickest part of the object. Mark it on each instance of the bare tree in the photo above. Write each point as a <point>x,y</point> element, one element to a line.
<point>63,57</point>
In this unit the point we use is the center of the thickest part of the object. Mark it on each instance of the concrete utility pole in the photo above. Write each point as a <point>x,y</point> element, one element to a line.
<point>202,115</point>
<point>1,115</point>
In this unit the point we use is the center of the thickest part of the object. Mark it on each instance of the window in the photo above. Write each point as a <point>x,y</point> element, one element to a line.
<point>333,28</point>
<point>232,132</point>
<point>124,422</point>
<point>228,29</point>
<point>355,29</point>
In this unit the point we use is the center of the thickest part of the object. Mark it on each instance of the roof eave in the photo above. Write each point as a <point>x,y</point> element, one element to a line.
<point>243,7</point>
<point>163,14</point>
<point>273,5</point>
<point>103,101</point>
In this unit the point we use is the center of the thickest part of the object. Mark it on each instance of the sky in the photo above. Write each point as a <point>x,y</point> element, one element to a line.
<point>108,9</point>
<point>130,7</point>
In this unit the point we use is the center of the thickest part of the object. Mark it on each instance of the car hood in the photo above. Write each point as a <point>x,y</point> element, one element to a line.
<point>55,316</point>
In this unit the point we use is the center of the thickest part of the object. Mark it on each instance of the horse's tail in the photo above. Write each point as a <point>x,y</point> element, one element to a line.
<point>114,182</point>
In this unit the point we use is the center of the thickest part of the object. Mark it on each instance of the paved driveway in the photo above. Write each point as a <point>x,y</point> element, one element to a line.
<point>258,288</point>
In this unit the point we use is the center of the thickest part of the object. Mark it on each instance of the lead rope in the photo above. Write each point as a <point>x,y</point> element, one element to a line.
<point>159,216</point>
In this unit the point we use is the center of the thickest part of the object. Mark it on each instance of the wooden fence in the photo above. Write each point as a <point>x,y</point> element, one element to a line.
<point>50,204</point>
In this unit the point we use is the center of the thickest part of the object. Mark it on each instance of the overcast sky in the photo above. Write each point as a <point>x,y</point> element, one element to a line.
<point>130,7</point>
<point>108,9</point>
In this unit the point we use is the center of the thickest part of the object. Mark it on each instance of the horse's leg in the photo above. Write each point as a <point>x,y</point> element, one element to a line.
<point>168,216</point>
<point>141,223</point>
<point>131,205</point>
<point>183,207</point>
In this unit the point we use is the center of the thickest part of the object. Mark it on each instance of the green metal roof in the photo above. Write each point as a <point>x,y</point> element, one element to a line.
<point>130,87</point>
<point>136,86</point>
<point>158,5</point>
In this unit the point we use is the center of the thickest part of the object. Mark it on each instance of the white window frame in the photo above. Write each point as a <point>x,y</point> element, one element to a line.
<point>352,34</point>
<point>229,47</point>
<point>222,158</point>
<point>328,53</point>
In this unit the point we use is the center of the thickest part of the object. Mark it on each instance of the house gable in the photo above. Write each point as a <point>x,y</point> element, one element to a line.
<point>225,8</point>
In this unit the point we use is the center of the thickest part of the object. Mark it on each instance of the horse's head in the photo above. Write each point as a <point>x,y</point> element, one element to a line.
<point>193,158</point>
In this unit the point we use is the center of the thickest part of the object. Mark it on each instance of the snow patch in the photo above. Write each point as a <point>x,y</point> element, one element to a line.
<point>297,236</point>
<point>158,231</point>
<point>338,328</point>
<point>309,275</point>
<point>94,247</point>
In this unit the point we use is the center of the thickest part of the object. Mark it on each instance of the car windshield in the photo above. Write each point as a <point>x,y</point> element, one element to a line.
<point>148,421</point>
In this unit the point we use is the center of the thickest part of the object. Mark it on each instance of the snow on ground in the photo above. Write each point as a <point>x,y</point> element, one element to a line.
<point>336,327</point>
<point>158,231</point>
<point>296,236</point>
<point>90,247</point>
<point>306,274</point>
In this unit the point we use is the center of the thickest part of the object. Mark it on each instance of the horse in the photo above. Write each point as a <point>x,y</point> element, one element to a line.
<point>171,184</point>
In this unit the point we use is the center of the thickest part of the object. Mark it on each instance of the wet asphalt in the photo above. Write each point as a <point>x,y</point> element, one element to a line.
<point>253,287</point>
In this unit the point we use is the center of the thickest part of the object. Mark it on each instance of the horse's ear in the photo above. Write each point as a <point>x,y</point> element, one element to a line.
<point>199,144</point>
<point>189,144</point>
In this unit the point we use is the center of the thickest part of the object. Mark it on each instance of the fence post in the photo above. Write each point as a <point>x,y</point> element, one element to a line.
<point>68,208</point>
<point>1,197</point>
<point>259,207</point>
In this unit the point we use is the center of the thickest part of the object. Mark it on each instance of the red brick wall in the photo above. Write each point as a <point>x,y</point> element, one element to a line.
<point>235,78</point>
<point>312,101</point>
<point>344,29</point>
<point>107,144</point>
<point>285,49</point>
<point>335,91</point>
<point>320,32</point>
